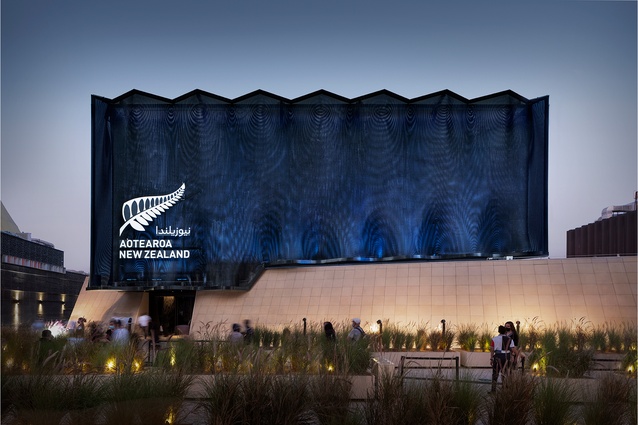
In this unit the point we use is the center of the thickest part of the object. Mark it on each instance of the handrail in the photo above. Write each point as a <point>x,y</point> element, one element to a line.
<point>402,365</point>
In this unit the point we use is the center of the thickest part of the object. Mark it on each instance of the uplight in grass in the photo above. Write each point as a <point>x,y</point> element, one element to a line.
<point>535,367</point>
<point>331,368</point>
<point>110,364</point>
<point>173,359</point>
<point>170,418</point>
<point>630,368</point>
<point>374,328</point>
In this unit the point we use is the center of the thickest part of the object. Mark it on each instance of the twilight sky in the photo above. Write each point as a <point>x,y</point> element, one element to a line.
<point>56,54</point>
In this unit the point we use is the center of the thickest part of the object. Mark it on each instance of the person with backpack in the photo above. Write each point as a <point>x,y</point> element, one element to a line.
<point>357,332</point>
<point>500,348</point>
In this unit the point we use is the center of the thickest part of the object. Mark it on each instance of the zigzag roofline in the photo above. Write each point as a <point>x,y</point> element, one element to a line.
<point>198,94</point>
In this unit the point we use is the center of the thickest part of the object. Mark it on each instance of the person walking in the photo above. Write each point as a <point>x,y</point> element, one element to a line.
<point>143,322</point>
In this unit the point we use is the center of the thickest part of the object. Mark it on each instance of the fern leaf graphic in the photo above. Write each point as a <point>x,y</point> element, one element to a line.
<point>139,212</point>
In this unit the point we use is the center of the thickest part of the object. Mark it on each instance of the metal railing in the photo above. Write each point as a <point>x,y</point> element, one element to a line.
<point>415,364</point>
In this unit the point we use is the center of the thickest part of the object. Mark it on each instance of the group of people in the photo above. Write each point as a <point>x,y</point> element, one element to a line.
<point>117,332</point>
<point>237,335</point>
<point>504,352</point>
<point>355,334</point>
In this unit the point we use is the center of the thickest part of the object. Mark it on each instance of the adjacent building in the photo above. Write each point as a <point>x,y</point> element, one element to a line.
<point>35,283</point>
<point>614,233</point>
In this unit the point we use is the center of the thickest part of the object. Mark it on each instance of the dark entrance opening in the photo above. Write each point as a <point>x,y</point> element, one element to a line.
<point>170,309</point>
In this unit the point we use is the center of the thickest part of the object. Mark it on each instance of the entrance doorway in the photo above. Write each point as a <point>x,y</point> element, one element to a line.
<point>170,309</point>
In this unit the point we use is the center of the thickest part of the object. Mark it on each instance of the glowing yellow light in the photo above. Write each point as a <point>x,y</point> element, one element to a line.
<point>330,368</point>
<point>170,418</point>
<point>173,360</point>
<point>535,367</point>
<point>374,328</point>
<point>110,364</point>
<point>136,365</point>
<point>630,369</point>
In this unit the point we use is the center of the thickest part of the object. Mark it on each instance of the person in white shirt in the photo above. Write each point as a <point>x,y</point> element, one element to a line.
<point>143,322</point>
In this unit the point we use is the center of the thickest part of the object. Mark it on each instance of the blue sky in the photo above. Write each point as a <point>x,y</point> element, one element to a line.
<point>55,55</point>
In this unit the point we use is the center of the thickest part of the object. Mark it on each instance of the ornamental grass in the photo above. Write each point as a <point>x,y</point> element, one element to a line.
<point>295,375</point>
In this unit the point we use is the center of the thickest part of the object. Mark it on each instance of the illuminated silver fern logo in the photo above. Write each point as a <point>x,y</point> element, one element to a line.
<point>139,212</point>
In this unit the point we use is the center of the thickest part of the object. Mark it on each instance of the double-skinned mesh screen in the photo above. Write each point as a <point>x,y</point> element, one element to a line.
<point>206,193</point>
